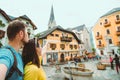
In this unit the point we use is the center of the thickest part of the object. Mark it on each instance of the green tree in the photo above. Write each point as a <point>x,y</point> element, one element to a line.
<point>94,50</point>
<point>2,24</point>
<point>118,50</point>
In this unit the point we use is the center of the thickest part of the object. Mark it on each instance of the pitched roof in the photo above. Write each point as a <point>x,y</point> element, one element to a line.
<point>78,28</point>
<point>111,11</point>
<point>11,17</point>
<point>27,18</point>
<point>47,32</point>
<point>5,15</point>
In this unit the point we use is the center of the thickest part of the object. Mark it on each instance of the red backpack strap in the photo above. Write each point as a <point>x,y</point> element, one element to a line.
<point>14,67</point>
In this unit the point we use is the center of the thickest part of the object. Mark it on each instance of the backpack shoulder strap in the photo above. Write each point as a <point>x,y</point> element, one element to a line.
<point>14,67</point>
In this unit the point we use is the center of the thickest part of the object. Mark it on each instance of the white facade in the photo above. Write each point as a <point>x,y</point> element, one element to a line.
<point>29,28</point>
<point>84,36</point>
<point>4,21</point>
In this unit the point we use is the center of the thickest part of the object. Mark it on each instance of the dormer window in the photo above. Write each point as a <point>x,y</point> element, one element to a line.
<point>106,21</point>
<point>27,23</point>
<point>52,34</point>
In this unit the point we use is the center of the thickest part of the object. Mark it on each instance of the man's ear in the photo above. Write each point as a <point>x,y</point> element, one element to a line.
<point>21,34</point>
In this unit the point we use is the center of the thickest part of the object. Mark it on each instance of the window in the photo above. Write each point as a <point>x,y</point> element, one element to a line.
<point>71,46</point>
<point>75,46</point>
<point>52,34</point>
<point>117,17</point>
<point>53,46</point>
<point>62,46</point>
<point>100,23</point>
<point>99,42</point>
<point>110,41</point>
<point>98,34</point>
<point>118,28</point>
<point>108,31</point>
<point>68,54</point>
<point>106,21</point>
<point>56,35</point>
<point>27,23</point>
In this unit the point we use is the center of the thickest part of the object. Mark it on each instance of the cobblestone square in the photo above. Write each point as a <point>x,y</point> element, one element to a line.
<point>107,74</point>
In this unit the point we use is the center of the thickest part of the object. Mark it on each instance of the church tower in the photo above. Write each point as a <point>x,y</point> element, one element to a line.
<point>52,21</point>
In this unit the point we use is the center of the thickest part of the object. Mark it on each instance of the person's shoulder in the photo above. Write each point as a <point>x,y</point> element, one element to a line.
<point>6,52</point>
<point>31,68</point>
<point>6,57</point>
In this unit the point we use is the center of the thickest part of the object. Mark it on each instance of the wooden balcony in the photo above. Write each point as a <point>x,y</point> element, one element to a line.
<point>107,24</point>
<point>118,43</point>
<point>99,37</point>
<point>117,21</point>
<point>118,33</point>
<point>66,39</point>
<point>100,46</point>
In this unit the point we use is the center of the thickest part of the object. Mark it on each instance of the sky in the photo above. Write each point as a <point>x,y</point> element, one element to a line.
<point>68,13</point>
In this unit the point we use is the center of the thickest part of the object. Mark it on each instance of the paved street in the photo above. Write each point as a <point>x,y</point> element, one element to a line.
<point>107,74</point>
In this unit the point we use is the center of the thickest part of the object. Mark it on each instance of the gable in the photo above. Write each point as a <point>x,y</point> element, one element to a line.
<point>3,19</point>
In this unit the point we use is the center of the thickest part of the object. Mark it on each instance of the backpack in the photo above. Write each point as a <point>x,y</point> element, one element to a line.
<point>14,67</point>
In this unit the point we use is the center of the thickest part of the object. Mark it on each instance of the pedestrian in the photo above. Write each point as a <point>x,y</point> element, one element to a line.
<point>32,58</point>
<point>75,60</point>
<point>11,65</point>
<point>117,63</point>
<point>111,62</point>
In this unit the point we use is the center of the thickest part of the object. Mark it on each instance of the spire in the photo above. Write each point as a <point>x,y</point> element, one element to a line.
<point>52,21</point>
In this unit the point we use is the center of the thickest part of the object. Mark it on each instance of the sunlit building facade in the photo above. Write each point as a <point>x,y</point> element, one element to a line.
<point>106,33</point>
<point>61,45</point>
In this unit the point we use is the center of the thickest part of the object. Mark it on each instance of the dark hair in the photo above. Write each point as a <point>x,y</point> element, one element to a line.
<point>29,53</point>
<point>15,27</point>
<point>116,56</point>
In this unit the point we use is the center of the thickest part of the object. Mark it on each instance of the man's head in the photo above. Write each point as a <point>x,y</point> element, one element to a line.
<point>17,30</point>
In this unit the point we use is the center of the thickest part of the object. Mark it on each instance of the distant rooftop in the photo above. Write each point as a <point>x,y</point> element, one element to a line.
<point>78,28</point>
<point>49,31</point>
<point>25,16</point>
<point>111,11</point>
<point>11,17</point>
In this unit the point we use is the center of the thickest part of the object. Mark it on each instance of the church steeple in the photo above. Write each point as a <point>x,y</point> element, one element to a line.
<point>52,21</point>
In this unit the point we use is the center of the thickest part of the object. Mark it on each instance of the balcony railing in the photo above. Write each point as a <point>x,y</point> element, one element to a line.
<point>118,33</point>
<point>66,39</point>
<point>107,24</point>
<point>100,46</point>
<point>99,37</point>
